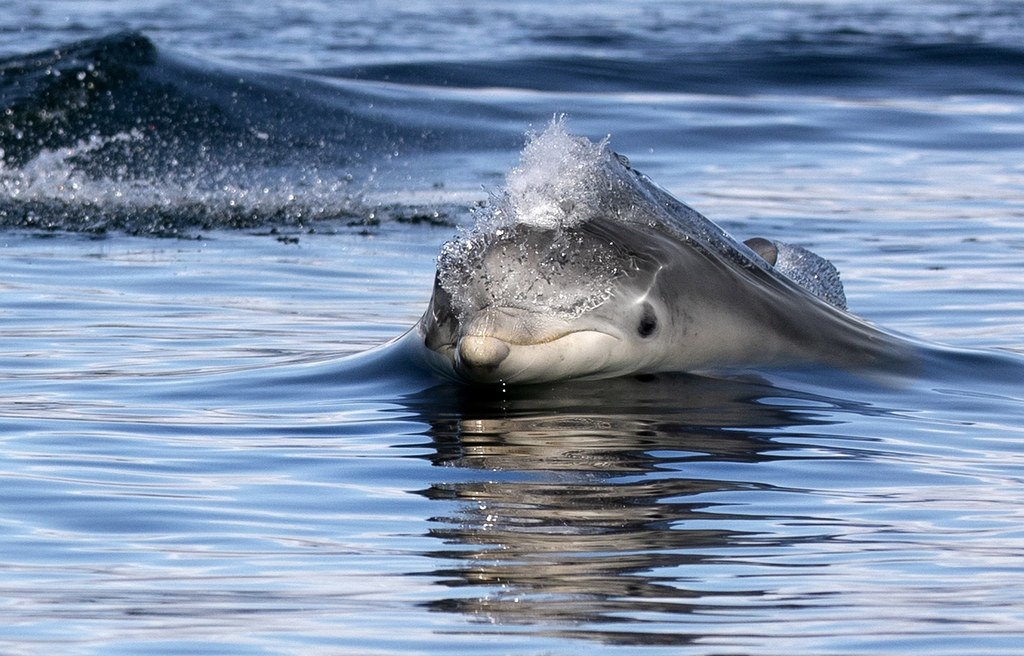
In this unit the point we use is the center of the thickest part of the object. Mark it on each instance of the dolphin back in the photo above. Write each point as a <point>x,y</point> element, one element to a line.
<point>797,294</point>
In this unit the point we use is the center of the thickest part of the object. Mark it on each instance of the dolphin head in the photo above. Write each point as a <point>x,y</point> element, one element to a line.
<point>561,279</point>
<point>526,304</point>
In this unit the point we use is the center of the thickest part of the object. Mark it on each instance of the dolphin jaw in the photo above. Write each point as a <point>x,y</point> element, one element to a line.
<point>577,354</point>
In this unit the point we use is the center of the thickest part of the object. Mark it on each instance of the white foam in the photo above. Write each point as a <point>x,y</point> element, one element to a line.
<point>55,176</point>
<point>50,174</point>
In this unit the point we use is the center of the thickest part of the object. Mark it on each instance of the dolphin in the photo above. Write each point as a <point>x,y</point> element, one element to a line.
<point>586,269</point>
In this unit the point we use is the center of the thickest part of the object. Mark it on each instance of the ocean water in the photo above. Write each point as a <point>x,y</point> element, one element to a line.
<point>214,216</point>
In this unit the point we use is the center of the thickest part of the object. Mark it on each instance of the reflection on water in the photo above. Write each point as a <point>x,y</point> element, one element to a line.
<point>588,496</point>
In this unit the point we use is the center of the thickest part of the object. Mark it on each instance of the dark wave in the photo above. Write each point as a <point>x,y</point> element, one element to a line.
<point>116,134</point>
<point>181,107</point>
<point>741,69</point>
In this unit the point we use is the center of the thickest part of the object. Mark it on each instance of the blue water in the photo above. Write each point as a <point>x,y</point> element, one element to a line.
<point>213,215</point>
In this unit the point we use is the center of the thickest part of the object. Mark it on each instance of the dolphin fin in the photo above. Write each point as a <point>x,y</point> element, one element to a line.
<point>809,270</point>
<point>766,248</point>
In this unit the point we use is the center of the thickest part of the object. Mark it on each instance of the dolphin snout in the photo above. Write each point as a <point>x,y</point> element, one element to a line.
<point>480,354</point>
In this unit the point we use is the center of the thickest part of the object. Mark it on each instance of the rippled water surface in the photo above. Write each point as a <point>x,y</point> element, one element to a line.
<point>212,217</point>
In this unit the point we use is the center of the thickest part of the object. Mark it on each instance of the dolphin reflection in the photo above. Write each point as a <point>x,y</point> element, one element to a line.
<point>595,501</point>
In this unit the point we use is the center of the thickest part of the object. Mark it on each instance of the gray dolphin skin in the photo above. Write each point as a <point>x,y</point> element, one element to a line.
<point>586,269</point>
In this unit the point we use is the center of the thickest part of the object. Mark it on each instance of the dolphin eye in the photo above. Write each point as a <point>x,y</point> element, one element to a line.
<point>648,322</point>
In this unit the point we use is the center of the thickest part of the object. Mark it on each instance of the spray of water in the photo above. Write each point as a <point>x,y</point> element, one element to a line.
<point>57,190</point>
<point>527,250</point>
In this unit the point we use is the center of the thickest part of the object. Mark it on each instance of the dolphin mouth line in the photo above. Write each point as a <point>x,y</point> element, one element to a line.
<point>491,359</point>
<point>573,354</point>
<point>548,340</point>
<point>453,345</point>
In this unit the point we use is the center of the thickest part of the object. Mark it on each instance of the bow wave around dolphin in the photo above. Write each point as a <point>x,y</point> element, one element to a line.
<point>583,268</point>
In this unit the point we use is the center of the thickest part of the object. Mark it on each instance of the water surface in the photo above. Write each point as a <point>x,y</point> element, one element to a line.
<point>207,211</point>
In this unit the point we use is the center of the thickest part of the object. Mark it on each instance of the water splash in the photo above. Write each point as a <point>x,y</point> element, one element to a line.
<point>555,185</point>
<point>53,191</point>
<point>530,249</point>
